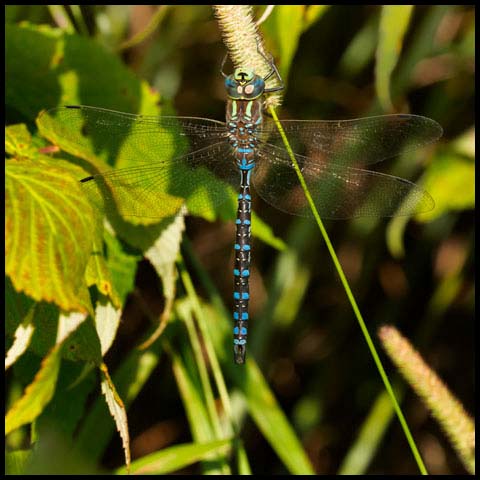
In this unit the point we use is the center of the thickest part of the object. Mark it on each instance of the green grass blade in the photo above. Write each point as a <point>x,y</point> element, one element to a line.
<point>198,416</point>
<point>352,300</point>
<point>261,402</point>
<point>60,15</point>
<point>202,322</point>
<point>394,21</point>
<point>174,458</point>
<point>273,423</point>
<point>16,461</point>
<point>369,437</point>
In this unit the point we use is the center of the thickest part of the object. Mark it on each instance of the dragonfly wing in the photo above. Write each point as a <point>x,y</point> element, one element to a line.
<point>166,160</point>
<point>357,142</point>
<point>203,179</point>
<point>124,139</point>
<point>337,191</point>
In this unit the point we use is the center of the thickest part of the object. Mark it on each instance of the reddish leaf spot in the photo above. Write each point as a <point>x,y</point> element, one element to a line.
<point>49,149</point>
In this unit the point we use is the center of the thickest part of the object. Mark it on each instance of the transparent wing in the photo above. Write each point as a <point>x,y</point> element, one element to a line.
<point>337,191</point>
<point>157,190</point>
<point>357,142</point>
<point>105,130</point>
<point>174,159</point>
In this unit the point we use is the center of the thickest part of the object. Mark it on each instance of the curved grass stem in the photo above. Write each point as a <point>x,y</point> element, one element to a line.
<point>351,298</point>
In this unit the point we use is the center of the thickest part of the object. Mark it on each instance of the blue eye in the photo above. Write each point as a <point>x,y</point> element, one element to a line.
<point>259,84</point>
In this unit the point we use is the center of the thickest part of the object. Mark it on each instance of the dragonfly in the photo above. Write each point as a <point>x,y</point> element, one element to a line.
<point>186,154</point>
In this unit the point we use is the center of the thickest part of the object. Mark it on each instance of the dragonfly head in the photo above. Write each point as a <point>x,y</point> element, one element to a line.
<point>243,84</point>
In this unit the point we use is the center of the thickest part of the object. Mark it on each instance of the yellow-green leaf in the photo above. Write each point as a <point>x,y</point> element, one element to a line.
<point>174,458</point>
<point>272,422</point>
<point>313,13</point>
<point>193,401</point>
<point>15,462</point>
<point>18,141</point>
<point>48,234</point>
<point>117,410</point>
<point>37,394</point>
<point>450,179</point>
<point>162,255</point>
<point>285,25</point>
<point>263,231</point>
<point>83,140</point>
<point>122,265</point>
<point>394,22</point>
<point>98,274</point>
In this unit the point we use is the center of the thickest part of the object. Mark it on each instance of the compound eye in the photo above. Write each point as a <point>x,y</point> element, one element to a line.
<point>249,89</point>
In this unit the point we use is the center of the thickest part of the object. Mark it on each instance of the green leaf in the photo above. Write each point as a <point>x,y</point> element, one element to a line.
<point>193,402</point>
<point>465,143</point>
<point>84,344</point>
<point>450,179</point>
<point>122,265</point>
<point>263,231</point>
<point>360,50</point>
<point>48,234</point>
<point>273,423</point>
<point>40,391</point>
<point>45,321</point>
<point>98,274</point>
<point>174,458</point>
<point>313,13</point>
<point>369,437</point>
<point>54,454</point>
<point>193,399</point>
<point>243,465</point>
<point>46,67</point>
<point>37,394</point>
<point>394,22</point>
<point>15,462</point>
<point>129,380</point>
<point>261,402</point>
<point>67,407</point>
<point>101,150</point>
<point>17,307</point>
<point>285,18</point>
<point>294,19</point>
<point>18,141</point>
<point>162,256</point>
<point>163,253</point>
<point>117,410</point>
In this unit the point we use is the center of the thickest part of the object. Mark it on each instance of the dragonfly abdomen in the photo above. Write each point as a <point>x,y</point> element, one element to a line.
<point>243,118</point>
<point>241,270</point>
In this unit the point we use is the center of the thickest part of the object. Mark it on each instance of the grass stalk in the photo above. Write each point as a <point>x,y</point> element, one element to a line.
<point>351,298</point>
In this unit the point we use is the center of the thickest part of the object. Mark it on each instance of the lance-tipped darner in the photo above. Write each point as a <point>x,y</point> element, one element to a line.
<point>197,158</point>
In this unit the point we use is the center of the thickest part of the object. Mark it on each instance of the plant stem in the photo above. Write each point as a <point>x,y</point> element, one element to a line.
<point>351,298</point>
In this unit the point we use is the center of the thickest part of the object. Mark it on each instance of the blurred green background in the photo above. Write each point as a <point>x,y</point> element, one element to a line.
<point>417,275</point>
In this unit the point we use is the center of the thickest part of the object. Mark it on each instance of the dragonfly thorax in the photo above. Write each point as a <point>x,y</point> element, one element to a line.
<point>244,84</point>
<point>243,117</point>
